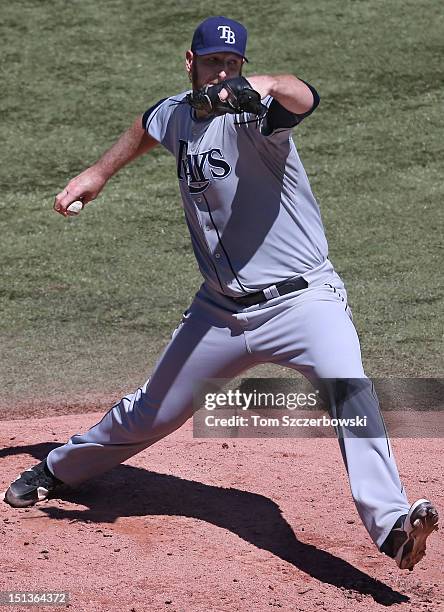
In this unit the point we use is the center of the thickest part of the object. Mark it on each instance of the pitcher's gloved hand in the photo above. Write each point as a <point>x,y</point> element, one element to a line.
<point>241,98</point>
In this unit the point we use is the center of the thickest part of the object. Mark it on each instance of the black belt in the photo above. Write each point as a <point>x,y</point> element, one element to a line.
<point>269,293</point>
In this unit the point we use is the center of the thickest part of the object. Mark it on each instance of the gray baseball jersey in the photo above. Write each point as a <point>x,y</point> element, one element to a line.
<point>248,204</point>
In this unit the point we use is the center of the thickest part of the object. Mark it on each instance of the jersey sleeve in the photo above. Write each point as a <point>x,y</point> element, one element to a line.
<point>155,121</point>
<point>279,118</point>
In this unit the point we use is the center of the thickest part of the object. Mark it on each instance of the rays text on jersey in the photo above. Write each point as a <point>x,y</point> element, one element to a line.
<point>197,169</point>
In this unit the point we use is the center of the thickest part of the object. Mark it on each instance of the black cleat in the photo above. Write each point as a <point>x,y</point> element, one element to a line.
<point>32,486</point>
<point>406,543</point>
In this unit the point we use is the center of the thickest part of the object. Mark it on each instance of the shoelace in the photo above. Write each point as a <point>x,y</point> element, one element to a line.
<point>39,477</point>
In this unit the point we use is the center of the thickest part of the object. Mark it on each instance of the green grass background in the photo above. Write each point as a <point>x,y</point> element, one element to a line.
<point>87,303</point>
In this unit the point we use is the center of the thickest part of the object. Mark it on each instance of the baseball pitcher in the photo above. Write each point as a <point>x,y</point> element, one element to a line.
<point>269,291</point>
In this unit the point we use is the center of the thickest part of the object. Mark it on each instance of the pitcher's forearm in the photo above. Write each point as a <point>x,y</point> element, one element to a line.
<point>292,93</point>
<point>133,143</point>
<point>86,186</point>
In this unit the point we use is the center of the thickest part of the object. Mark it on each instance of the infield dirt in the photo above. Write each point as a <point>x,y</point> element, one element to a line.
<point>226,525</point>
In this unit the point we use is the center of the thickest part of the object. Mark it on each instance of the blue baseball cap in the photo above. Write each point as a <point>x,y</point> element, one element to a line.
<point>219,34</point>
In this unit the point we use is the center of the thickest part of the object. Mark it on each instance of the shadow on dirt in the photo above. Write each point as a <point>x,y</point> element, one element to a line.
<point>131,491</point>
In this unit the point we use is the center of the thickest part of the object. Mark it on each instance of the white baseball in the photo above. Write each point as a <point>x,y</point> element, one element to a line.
<point>75,207</point>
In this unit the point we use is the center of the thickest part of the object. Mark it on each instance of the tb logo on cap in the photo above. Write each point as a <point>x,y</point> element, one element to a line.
<point>227,34</point>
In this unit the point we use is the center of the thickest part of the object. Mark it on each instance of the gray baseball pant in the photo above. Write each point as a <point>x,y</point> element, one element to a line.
<point>310,331</point>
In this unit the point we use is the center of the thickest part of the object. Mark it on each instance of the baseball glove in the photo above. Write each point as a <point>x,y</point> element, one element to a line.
<point>242,98</point>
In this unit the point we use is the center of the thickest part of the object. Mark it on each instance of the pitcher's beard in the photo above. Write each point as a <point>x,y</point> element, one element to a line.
<point>195,79</point>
